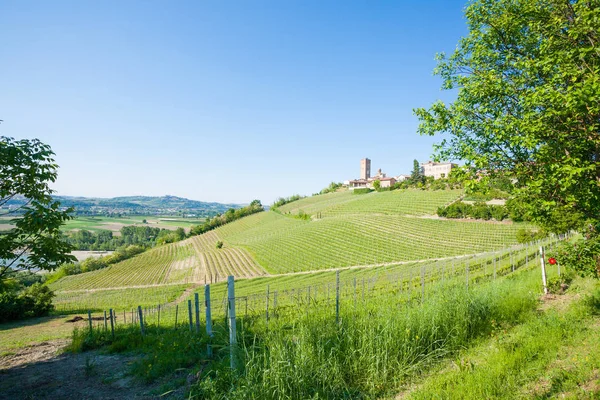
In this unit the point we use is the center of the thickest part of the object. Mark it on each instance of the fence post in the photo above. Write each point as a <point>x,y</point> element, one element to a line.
<point>267,309</point>
<point>158,324</point>
<point>354,284</point>
<point>124,317</point>
<point>467,273</point>
<point>141,320</point>
<point>232,327</point>
<point>112,324</point>
<point>422,284</point>
<point>197,304</point>
<point>208,319</point>
<point>543,261</point>
<point>337,297</point>
<point>90,321</point>
<point>275,303</point>
<point>190,315</point>
<point>176,314</point>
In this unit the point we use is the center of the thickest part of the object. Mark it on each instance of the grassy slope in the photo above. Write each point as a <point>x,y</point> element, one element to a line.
<point>554,354</point>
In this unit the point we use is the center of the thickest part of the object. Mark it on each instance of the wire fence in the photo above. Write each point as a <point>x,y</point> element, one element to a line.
<point>338,292</point>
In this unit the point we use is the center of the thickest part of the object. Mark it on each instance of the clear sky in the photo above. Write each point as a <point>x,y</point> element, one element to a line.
<point>222,100</point>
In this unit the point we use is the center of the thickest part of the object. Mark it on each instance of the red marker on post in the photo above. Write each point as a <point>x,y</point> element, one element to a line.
<point>552,260</point>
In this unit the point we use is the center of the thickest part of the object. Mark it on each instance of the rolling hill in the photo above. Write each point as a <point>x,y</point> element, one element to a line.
<point>344,230</point>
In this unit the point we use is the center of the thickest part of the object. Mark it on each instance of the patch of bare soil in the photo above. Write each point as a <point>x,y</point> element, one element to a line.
<point>41,372</point>
<point>558,302</point>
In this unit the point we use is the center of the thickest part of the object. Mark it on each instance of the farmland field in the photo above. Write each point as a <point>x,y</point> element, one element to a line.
<point>95,223</point>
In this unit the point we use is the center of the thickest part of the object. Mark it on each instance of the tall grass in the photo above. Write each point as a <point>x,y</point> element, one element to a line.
<point>305,354</point>
<point>372,350</point>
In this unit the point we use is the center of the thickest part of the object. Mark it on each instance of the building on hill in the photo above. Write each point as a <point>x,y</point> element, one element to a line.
<point>401,178</point>
<point>359,184</point>
<point>387,182</point>
<point>437,170</point>
<point>365,168</point>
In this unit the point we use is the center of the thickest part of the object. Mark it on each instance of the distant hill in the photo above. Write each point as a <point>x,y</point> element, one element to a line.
<point>146,205</point>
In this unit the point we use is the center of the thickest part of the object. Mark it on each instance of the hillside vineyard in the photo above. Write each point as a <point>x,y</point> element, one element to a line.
<point>344,230</point>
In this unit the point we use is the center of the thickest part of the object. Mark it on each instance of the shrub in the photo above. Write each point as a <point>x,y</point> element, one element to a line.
<point>481,211</point>
<point>582,255</point>
<point>35,301</point>
<point>499,213</point>
<point>219,244</point>
<point>559,284</point>
<point>361,191</point>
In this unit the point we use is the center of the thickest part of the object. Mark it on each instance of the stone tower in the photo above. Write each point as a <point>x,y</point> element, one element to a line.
<point>365,168</point>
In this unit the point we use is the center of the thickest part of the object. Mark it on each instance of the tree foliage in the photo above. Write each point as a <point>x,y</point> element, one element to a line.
<point>528,81</point>
<point>27,168</point>
<point>416,175</point>
<point>229,216</point>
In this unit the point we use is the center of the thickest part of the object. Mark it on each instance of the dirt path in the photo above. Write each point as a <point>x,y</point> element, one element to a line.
<point>42,371</point>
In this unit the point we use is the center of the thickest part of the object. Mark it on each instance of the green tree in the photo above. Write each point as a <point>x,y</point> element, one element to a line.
<point>27,168</point>
<point>377,184</point>
<point>527,108</point>
<point>416,175</point>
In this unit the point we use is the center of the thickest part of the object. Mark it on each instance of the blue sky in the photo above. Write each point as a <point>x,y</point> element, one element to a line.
<point>222,101</point>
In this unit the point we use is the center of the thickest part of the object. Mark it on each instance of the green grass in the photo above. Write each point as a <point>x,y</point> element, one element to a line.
<point>302,353</point>
<point>118,299</point>
<point>19,334</point>
<point>554,354</point>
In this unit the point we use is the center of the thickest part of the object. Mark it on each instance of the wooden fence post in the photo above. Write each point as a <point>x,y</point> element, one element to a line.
<point>354,286</point>
<point>176,314</point>
<point>158,324</point>
<point>112,324</point>
<point>543,262</point>
<point>208,319</point>
<point>141,320</point>
<point>190,315</point>
<point>197,304</point>
<point>267,309</point>
<point>90,321</point>
<point>232,325</point>
<point>337,296</point>
<point>422,284</point>
<point>467,275</point>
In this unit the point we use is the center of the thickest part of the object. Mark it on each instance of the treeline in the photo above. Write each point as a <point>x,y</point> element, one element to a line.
<point>229,216</point>
<point>478,210</point>
<point>104,240</point>
<point>95,263</point>
<point>281,201</point>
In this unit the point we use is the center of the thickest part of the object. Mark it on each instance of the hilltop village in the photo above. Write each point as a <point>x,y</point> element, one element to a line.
<point>430,168</point>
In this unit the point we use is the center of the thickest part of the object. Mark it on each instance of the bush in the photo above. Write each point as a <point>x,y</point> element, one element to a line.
<point>559,284</point>
<point>361,191</point>
<point>219,244</point>
<point>479,210</point>
<point>35,301</point>
<point>499,213</point>
<point>582,255</point>
<point>529,235</point>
